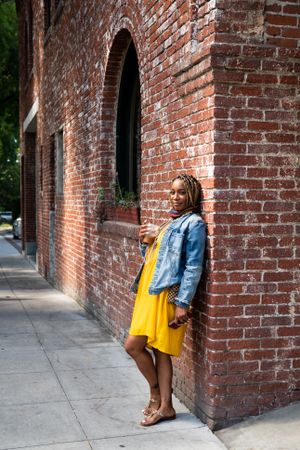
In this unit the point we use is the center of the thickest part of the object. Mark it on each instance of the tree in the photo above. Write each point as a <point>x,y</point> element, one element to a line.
<point>9,110</point>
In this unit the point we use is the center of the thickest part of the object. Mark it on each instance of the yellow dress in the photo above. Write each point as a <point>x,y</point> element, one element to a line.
<point>152,313</point>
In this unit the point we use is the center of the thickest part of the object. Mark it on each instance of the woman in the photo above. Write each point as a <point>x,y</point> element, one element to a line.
<point>173,259</point>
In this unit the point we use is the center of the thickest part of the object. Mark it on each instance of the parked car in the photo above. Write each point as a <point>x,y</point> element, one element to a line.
<point>6,216</point>
<point>17,228</point>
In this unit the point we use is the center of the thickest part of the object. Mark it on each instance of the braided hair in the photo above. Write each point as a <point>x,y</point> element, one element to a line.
<point>193,189</point>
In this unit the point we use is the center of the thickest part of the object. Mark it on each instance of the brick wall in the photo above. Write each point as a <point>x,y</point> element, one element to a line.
<point>219,83</point>
<point>253,291</point>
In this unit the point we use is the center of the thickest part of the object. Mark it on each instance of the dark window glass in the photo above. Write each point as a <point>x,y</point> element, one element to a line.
<point>47,14</point>
<point>128,125</point>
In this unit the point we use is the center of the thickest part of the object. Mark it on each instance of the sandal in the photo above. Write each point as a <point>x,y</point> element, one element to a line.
<point>155,417</point>
<point>148,410</point>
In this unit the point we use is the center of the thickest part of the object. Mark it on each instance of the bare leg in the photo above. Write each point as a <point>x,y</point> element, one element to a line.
<point>136,348</point>
<point>164,370</point>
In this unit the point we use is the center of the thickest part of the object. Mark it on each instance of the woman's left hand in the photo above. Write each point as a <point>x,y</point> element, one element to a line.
<point>181,315</point>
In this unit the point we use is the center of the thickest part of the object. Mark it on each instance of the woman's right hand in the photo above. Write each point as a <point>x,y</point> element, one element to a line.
<point>148,232</point>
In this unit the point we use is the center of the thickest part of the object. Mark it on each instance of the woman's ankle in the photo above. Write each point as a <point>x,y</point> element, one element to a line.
<point>154,391</point>
<point>167,410</point>
<point>154,402</point>
<point>166,405</point>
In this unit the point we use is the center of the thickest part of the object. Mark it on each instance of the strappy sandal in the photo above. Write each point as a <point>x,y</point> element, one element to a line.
<point>155,417</point>
<point>148,410</point>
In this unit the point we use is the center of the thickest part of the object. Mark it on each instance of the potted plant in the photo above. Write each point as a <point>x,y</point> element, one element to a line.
<point>126,208</point>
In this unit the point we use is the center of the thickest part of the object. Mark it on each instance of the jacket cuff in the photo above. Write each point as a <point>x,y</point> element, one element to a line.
<point>182,305</point>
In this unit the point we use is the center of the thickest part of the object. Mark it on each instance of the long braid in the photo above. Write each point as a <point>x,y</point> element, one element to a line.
<point>193,189</point>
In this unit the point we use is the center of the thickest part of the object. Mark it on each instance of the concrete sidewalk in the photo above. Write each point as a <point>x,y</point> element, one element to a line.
<point>276,430</point>
<point>65,383</point>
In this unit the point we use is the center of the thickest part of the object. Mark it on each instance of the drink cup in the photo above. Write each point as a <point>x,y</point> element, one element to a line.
<point>152,231</point>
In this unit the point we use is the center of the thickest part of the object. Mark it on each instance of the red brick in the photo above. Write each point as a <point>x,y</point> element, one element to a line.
<point>283,42</point>
<point>241,344</point>
<point>263,126</point>
<point>278,229</point>
<point>247,183</point>
<point>291,9</point>
<point>246,114</point>
<point>288,331</point>
<point>291,33</point>
<point>284,264</point>
<point>278,206</point>
<point>243,366</point>
<point>227,334</point>
<point>282,20</point>
<point>259,355</point>
<point>275,321</point>
<point>271,387</point>
<point>244,322</point>
<point>244,389</point>
<point>259,102</point>
<point>262,78</point>
<point>258,332</point>
<point>273,7</point>
<point>249,91</point>
<point>274,30</point>
<point>278,253</point>
<point>225,288</point>
<point>275,343</point>
<point>260,310</point>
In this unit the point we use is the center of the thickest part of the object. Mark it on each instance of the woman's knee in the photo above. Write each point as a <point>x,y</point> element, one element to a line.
<point>134,346</point>
<point>129,347</point>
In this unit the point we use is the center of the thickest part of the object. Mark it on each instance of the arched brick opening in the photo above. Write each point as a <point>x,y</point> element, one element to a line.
<point>109,107</point>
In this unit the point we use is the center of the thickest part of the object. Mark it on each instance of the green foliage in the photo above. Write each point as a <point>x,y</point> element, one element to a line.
<point>123,197</point>
<point>128,199</point>
<point>9,101</point>
<point>101,194</point>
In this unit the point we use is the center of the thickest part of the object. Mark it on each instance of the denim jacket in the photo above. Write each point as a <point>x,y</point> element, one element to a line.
<point>179,260</point>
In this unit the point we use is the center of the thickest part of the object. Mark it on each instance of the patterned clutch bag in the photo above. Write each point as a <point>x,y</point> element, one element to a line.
<point>173,292</point>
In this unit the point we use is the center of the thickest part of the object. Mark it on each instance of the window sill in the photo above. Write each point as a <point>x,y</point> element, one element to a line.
<point>124,229</point>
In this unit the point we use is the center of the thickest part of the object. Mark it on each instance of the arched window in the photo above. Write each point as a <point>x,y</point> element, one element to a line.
<point>128,148</point>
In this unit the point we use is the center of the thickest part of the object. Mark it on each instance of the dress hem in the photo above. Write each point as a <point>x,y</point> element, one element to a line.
<point>153,346</point>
